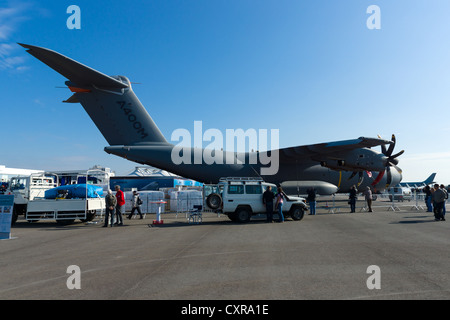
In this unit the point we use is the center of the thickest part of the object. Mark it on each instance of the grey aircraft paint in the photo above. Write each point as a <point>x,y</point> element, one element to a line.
<point>132,134</point>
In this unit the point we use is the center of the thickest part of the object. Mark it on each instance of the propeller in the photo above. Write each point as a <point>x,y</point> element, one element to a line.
<point>360,179</point>
<point>391,161</point>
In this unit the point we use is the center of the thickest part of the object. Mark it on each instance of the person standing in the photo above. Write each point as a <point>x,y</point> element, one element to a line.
<point>368,196</point>
<point>279,204</point>
<point>438,202</point>
<point>120,205</point>
<point>136,205</point>
<point>110,202</point>
<point>312,201</point>
<point>268,197</point>
<point>428,195</point>
<point>446,197</point>
<point>352,198</point>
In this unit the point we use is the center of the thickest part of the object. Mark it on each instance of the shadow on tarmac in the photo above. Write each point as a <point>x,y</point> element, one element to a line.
<point>422,220</point>
<point>206,223</point>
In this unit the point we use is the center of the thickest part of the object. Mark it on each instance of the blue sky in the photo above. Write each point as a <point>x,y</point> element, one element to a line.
<point>311,69</point>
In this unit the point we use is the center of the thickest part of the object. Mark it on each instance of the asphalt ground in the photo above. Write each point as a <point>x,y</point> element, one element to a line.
<point>326,256</point>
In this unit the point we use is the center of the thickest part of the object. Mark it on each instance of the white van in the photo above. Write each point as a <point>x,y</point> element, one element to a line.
<point>400,193</point>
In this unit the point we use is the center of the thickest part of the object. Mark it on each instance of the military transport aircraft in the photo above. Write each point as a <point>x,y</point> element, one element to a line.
<point>133,135</point>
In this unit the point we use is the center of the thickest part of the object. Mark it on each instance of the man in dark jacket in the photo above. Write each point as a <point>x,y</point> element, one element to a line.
<point>352,198</point>
<point>312,201</point>
<point>438,202</point>
<point>268,197</point>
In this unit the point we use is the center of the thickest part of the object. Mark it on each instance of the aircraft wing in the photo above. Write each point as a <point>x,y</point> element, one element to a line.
<point>329,150</point>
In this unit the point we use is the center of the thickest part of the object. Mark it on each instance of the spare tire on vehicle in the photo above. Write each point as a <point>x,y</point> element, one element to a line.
<point>214,201</point>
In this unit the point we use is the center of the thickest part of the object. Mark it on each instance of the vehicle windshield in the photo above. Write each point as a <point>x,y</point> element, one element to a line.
<point>18,184</point>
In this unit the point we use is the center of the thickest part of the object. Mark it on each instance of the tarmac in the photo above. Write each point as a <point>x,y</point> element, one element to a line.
<point>383,255</point>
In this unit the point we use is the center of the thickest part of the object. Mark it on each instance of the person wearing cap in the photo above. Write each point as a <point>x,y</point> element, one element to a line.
<point>111,202</point>
<point>136,205</point>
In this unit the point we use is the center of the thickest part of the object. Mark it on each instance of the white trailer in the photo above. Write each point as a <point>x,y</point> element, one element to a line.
<point>64,211</point>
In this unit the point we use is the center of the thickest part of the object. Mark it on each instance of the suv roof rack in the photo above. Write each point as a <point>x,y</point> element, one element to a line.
<point>243,179</point>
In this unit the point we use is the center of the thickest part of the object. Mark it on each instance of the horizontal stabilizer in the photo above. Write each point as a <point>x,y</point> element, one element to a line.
<point>72,99</point>
<point>74,71</point>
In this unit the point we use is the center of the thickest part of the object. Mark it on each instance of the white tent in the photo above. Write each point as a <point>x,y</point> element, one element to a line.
<point>7,173</point>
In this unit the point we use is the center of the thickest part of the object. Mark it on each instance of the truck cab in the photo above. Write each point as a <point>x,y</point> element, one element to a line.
<point>28,188</point>
<point>241,198</point>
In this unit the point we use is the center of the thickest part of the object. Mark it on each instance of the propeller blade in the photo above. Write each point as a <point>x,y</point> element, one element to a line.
<point>397,154</point>
<point>361,178</point>
<point>398,169</point>
<point>383,147</point>
<point>389,176</point>
<point>353,174</point>
<point>378,178</point>
<point>392,162</point>
<point>391,147</point>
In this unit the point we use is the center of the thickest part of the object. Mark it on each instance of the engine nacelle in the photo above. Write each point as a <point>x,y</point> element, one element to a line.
<point>357,160</point>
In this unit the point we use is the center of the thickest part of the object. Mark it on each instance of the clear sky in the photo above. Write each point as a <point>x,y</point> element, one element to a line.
<point>311,69</point>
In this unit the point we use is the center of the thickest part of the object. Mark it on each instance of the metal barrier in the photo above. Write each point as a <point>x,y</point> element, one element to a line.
<point>383,201</point>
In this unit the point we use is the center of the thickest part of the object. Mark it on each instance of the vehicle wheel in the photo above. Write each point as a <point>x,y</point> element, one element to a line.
<point>297,213</point>
<point>15,216</point>
<point>90,216</point>
<point>214,201</point>
<point>243,215</point>
<point>232,216</point>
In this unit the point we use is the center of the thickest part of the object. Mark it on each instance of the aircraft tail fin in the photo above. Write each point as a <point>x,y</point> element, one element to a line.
<point>430,179</point>
<point>109,101</point>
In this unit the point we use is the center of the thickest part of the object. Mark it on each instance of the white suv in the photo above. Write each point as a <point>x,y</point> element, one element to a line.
<point>241,198</point>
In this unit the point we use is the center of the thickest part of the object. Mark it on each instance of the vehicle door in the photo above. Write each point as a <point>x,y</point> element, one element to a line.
<point>254,194</point>
<point>233,196</point>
